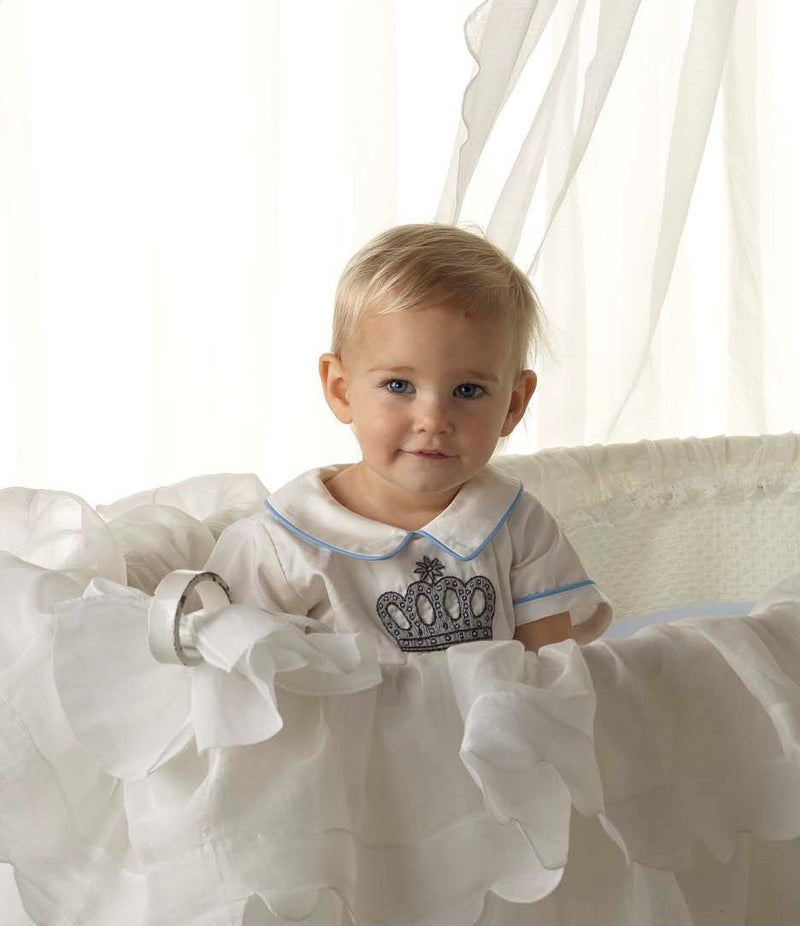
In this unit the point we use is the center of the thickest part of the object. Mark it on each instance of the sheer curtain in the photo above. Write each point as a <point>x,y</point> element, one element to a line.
<point>181,184</point>
<point>638,158</point>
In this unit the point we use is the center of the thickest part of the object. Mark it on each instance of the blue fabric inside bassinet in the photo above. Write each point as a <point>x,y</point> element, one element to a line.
<point>626,627</point>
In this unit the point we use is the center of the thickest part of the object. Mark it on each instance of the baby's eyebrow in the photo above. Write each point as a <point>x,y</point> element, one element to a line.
<point>473,374</point>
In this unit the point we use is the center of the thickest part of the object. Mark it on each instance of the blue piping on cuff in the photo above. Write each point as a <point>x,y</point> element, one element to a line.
<point>554,591</point>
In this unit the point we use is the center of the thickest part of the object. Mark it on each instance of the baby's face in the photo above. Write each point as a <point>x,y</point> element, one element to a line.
<point>429,392</point>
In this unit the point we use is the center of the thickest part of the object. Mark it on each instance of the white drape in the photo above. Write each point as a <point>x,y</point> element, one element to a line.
<point>638,158</point>
<point>181,184</point>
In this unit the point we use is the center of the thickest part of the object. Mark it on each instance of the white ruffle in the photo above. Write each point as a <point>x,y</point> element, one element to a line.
<point>108,681</point>
<point>62,820</point>
<point>59,530</point>
<point>442,794</point>
<point>217,499</point>
<point>527,740</point>
<point>135,541</point>
<point>369,784</point>
<point>696,734</point>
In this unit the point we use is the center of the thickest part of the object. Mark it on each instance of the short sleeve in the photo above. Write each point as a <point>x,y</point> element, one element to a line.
<point>246,558</point>
<point>547,577</point>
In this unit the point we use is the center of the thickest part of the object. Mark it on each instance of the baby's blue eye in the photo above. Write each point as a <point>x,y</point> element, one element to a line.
<point>397,382</point>
<point>470,392</point>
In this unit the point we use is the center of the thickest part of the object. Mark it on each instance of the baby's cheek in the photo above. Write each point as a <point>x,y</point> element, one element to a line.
<point>379,432</point>
<point>386,433</point>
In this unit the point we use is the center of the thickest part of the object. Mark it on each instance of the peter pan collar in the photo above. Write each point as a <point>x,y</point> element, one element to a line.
<point>305,507</point>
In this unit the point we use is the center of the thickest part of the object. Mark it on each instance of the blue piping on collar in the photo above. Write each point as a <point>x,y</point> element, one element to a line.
<point>464,559</point>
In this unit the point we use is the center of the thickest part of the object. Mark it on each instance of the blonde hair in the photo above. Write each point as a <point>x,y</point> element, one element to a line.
<point>413,266</point>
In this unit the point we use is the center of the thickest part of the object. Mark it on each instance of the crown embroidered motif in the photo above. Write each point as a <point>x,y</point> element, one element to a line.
<point>438,611</point>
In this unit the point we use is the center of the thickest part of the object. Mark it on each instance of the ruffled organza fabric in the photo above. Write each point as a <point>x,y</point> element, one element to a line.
<point>293,778</point>
<point>62,820</point>
<point>476,785</point>
<point>135,541</point>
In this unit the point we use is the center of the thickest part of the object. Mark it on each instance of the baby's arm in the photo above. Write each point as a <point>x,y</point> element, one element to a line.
<point>553,597</point>
<point>552,629</point>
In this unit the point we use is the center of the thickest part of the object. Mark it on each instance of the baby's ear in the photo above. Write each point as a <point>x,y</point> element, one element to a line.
<point>520,397</point>
<point>334,385</point>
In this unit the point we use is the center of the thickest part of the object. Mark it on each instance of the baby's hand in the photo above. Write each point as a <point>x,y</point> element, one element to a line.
<point>552,629</point>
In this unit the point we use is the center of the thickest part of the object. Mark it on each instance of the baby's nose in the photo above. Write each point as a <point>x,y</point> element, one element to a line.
<point>434,416</point>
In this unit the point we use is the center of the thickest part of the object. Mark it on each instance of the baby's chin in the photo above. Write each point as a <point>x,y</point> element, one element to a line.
<point>431,474</point>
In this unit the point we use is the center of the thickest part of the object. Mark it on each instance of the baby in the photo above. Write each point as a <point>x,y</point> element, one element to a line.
<point>422,543</point>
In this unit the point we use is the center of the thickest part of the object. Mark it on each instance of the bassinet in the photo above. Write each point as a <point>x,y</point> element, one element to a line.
<point>666,528</point>
<point>667,524</point>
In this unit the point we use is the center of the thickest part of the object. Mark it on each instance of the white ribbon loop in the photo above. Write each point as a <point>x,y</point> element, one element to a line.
<point>170,642</point>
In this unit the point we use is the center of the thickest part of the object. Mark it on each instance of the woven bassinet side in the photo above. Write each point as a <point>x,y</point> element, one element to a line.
<point>674,522</point>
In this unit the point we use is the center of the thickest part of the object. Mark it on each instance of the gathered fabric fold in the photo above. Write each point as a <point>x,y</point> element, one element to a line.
<point>109,683</point>
<point>696,733</point>
<point>528,737</point>
<point>298,789</point>
<point>62,821</point>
